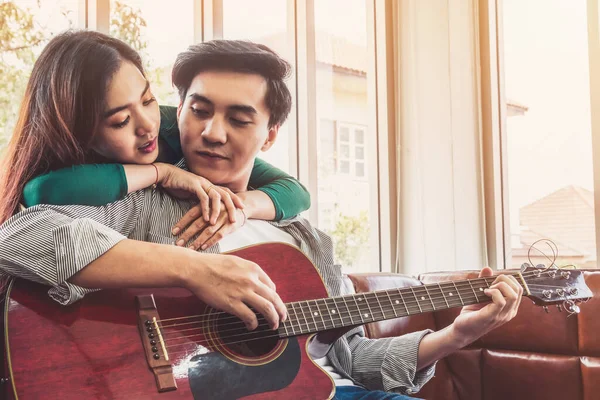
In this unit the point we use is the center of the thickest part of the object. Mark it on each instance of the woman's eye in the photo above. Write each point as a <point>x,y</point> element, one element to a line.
<point>149,101</point>
<point>122,124</point>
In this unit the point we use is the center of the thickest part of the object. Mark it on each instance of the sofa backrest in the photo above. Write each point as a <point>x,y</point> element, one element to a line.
<point>537,355</point>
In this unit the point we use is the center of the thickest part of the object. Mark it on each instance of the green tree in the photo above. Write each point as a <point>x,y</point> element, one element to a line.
<point>128,24</point>
<point>351,236</point>
<point>19,36</point>
<point>21,40</point>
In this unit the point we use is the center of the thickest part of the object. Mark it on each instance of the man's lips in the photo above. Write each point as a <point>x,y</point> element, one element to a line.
<point>210,154</point>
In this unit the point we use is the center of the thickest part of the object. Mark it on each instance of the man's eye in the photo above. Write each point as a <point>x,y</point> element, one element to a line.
<point>240,122</point>
<point>149,101</point>
<point>199,112</point>
<point>122,124</point>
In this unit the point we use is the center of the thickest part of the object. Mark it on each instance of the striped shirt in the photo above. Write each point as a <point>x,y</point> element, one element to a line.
<point>49,244</point>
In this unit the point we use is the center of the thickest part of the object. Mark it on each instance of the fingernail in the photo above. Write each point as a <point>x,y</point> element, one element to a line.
<point>179,242</point>
<point>175,231</point>
<point>191,246</point>
<point>203,247</point>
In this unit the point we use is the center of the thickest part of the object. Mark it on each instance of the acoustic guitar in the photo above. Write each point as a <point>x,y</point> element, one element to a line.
<point>166,344</point>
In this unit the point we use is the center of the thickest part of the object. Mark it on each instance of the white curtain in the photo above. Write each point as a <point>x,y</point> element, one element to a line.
<point>440,197</point>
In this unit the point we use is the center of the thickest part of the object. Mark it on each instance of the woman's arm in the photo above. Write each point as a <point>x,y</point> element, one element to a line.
<point>91,184</point>
<point>288,195</point>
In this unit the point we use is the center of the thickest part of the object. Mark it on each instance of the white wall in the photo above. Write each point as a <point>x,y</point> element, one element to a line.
<point>441,224</point>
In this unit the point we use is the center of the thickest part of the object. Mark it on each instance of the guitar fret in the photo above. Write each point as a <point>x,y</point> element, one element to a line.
<point>285,327</point>
<point>304,316</point>
<point>296,314</point>
<point>443,295</point>
<point>321,314</point>
<point>312,316</point>
<point>338,311</point>
<point>382,311</point>
<point>403,302</point>
<point>392,304</point>
<point>429,295</point>
<point>416,298</point>
<point>348,308</point>
<point>359,310</point>
<point>474,292</point>
<point>370,311</point>
<point>458,292</point>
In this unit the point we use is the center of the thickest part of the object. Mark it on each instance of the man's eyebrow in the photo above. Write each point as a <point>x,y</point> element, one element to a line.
<point>115,110</point>
<point>234,107</point>
<point>200,98</point>
<point>242,108</point>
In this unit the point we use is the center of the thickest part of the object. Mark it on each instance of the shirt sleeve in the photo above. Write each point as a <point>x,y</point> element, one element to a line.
<point>288,195</point>
<point>49,244</point>
<point>389,364</point>
<point>88,184</point>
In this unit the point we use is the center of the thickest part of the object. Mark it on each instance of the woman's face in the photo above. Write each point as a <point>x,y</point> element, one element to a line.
<point>129,127</point>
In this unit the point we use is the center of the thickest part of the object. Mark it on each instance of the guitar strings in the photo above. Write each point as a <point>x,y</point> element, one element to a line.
<point>248,335</point>
<point>421,289</point>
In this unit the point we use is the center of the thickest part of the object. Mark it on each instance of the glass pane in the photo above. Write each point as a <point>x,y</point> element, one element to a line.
<point>342,81</point>
<point>148,28</point>
<point>266,23</point>
<point>344,151</point>
<point>548,130</point>
<point>359,136</point>
<point>344,134</point>
<point>360,169</point>
<point>31,25</point>
<point>345,167</point>
<point>359,153</point>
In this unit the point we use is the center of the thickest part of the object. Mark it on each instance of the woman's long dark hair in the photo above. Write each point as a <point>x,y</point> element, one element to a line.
<point>62,109</point>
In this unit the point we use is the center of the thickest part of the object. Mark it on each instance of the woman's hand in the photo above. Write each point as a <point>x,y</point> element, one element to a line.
<point>210,234</point>
<point>184,184</point>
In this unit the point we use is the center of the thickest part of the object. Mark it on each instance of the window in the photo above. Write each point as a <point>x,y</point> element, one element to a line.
<point>25,28</point>
<point>351,150</point>
<point>158,33</point>
<point>548,131</point>
<point>333,87</point>
<point>345,204</point>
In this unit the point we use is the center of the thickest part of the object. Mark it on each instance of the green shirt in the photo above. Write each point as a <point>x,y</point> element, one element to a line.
<point>99,184</point>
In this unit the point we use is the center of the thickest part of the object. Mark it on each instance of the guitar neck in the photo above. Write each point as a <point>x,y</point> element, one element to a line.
<point>311,316</point>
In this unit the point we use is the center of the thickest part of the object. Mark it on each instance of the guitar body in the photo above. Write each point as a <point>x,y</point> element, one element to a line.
<point>93,349</point>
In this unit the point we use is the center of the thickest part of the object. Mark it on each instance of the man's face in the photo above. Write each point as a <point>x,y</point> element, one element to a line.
<point>223,123</point>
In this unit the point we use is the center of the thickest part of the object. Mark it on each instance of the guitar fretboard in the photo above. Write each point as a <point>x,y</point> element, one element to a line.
<point>312,316</point>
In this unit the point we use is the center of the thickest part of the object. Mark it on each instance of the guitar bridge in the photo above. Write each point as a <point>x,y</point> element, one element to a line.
<point>154,347</point>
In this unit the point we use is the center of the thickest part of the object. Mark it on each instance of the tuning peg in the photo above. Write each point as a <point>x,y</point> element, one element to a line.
<point>571,307</point>
<point>559,307</point>
<point>546,309</point>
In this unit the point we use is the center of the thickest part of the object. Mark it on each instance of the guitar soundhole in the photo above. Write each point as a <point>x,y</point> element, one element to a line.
<point>239,340</point>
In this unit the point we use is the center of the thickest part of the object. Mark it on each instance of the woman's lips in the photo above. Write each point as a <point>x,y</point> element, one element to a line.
<point>149,147</point>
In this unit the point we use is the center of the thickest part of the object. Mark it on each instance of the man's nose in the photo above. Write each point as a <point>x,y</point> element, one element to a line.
<point>215,131</point>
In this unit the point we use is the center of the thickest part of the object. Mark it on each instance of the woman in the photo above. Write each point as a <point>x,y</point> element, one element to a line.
<point>66,139</point>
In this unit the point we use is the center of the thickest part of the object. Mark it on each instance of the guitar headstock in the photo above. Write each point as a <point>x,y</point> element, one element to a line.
<point>553,285</point>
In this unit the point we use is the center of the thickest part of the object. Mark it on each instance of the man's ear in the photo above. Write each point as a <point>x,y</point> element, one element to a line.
<point>271,137</point>
<point>179,107</point>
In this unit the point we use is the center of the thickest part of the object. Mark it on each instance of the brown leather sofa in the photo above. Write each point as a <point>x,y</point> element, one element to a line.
<point>536,356</point>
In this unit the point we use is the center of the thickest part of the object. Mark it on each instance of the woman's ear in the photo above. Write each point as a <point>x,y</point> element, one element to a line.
<point>179,107</point>
<point>271,137</point>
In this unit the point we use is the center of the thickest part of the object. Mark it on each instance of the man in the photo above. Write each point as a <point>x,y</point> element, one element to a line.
<point>233,100</point>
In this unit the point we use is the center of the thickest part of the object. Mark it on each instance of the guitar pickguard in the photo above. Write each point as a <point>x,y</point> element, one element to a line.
<point>213,376</point>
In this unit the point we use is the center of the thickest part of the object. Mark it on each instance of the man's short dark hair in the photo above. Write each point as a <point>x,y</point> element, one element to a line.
<point>238,56</point>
